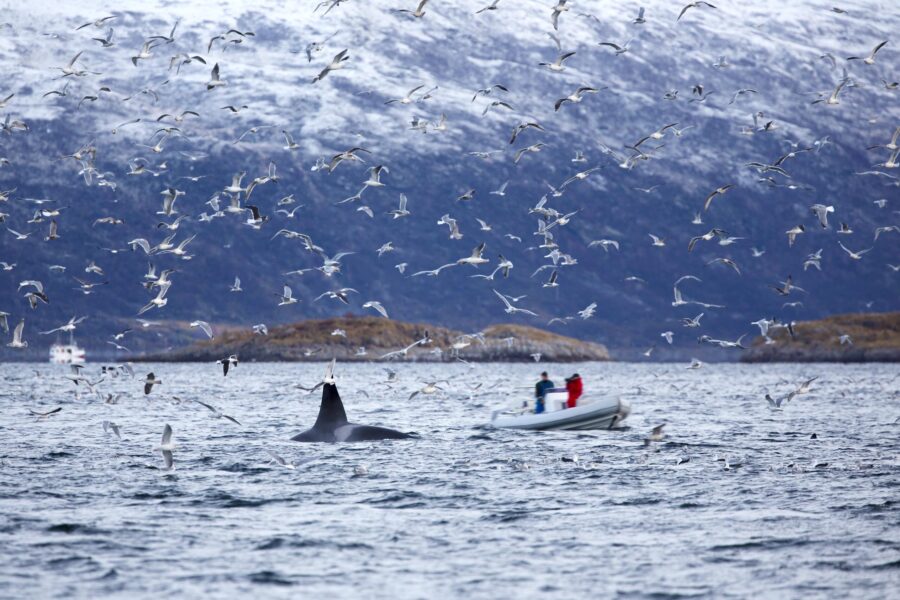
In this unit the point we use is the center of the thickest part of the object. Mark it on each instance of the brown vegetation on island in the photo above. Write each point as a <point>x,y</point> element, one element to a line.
<point>313,340</point>
<point>873,337</point>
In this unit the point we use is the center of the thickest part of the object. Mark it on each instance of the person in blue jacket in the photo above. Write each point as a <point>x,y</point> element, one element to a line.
<point>539,390</point>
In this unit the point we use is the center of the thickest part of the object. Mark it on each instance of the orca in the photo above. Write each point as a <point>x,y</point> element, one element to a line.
<point>332,426</point>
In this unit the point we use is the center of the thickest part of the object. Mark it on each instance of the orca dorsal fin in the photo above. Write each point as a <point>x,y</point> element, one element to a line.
<point>331,411</point>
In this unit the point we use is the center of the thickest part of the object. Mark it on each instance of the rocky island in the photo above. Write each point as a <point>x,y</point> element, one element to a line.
<point>370,338</point>
<point>860,337</point>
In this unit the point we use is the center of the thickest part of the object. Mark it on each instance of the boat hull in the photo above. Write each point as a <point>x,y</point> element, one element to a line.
<point>600,414</point>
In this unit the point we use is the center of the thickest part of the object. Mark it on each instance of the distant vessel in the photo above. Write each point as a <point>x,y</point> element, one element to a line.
<point>67,354</point>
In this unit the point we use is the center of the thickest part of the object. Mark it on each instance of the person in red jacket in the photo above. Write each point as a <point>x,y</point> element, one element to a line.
<point>574,387</point>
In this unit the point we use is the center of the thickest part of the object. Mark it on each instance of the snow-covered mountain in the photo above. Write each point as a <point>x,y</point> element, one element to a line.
<point>784,57</point>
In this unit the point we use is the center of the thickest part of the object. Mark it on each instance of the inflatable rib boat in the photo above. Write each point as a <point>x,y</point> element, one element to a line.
<point>590,413</point>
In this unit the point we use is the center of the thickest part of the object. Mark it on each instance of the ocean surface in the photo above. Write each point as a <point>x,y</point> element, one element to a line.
<point>756,507</point>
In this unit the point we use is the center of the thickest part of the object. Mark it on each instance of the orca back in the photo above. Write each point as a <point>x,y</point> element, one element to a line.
<point>332,426</point>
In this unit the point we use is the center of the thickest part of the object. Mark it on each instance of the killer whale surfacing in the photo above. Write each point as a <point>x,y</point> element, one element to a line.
<point>331,425</point>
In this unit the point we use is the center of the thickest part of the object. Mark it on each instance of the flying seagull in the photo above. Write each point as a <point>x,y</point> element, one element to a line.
<point>336,63</point>
<point>694,5</point>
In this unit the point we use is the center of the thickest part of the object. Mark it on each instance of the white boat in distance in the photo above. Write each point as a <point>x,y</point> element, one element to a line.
<point>596,413</point>
<point>67,354</point>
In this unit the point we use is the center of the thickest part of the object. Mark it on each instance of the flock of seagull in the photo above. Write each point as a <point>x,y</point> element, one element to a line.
<point>235,199</point>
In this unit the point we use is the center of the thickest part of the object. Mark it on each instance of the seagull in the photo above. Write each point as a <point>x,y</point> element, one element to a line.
<point>639,20</point>
<point>403,351</point>
<point>374,179</point>
<point>605,244</point>
<point>110,426</point>
<point>786,287</point>
<point>552,281</point>
<point>377,307</point>
<point>619,49</point>
<point>340,294</point>
<point>501,191</point>
<point>217,413</point>
<point>149,382</point>
<point>510,309</point>
<point>98,23</point>
<point>214,79</point>
<point>689,322</point>
<point>17,341</point>
<point>407,99</point>
<point>280,461</point>
<point>576,96</point>
<point>727,262</point>
<point>717,192</point>
<point>694,5</point>
<point>657,241</point>
<point>44,415</point>
<point>166,447</point>
<point>588,311</point>
<point>557,65</point>
<point>475,258</point>
<point>287,297</point>
<point>429,388</point>
<point>878,231</point>
<point>489,90</point>
<point>236,286</point>
<point>656,435</point>
<point>167,39</point>
<point>852,254</point>
<point>803,388</point>
<point>870,59</point>
<point>522,127</point>
<point>668,335</point>
<point>832,100</point>
<point>491,6</point>
<point>558,10</point>
<point>578,177</point>
<point>19,236</point>
<point>483,225</point>
<point>261,329</point>
<point>401,210</point>
<point>71,70</point>
<point>793,233</point>
<point>204,326</point>
<point>679,299</point>
<point>741,92</point>
<point>813,260</point>
<point>723,343</point>
<point>434,272</point>
<point>418,13</point>
<point>712,233</point>
<point>336,63</point>
<point>778,404</point>
<point>290,144</point>
<point>107,41</point>
<point>648,190</point>
<point>70,326</point>
<point>821,211</point>
<point>144,53</point>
